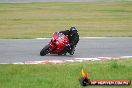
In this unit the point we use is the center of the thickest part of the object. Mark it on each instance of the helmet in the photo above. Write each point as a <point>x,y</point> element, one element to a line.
<point>73,29</point>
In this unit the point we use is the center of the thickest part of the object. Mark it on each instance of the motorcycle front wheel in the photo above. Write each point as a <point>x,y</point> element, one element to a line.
<point>44,51</point>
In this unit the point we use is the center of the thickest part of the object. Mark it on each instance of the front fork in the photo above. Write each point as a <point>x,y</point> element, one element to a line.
<point>53,46</point>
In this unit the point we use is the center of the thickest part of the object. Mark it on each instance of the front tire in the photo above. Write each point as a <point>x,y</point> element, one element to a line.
<point>44,51</point>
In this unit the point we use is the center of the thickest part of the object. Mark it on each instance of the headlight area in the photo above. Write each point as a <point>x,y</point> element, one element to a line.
<point>56,43</point>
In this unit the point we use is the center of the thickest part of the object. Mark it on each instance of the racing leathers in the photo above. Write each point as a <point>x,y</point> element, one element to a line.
<point>73,37</point>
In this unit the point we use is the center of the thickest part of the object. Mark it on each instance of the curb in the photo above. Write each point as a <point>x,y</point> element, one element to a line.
<point>71,60</point>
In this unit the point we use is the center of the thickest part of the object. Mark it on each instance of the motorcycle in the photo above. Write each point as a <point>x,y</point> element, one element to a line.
<point>56,45</point>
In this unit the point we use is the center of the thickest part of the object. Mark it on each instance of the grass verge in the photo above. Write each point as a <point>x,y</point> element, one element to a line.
<point>31,20</point>
<point>63,75</point>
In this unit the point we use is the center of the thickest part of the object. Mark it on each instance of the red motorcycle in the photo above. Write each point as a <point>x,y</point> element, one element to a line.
<point>56,45</point>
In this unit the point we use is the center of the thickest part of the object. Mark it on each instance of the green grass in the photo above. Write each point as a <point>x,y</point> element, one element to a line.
<point>31,20</point>
<point>63,75</point>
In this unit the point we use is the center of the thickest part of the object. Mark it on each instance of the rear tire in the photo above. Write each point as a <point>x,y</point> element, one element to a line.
<point>44,51</point>
<point>72,51</point>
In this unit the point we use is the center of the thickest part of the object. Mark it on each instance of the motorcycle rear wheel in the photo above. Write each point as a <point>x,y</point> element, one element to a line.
<point>72,51</point>
<point>44,51</point>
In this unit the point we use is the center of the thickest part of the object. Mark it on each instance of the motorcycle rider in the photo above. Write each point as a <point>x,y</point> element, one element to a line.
<point>73,37</point>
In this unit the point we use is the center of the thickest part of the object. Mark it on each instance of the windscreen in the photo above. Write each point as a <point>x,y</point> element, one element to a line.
<point>61,36</point>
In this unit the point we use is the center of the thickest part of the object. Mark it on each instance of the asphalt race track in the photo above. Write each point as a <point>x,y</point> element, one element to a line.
<point>21,50</point>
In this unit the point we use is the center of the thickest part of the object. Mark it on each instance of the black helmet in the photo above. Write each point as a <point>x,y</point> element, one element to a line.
<point>73,29</point>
